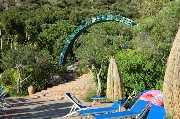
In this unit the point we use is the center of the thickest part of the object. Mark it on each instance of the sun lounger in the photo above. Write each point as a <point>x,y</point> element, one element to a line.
<point>3,102</point>
<point>156,112</point>
<point>138,109</point>
<point>77,105</point>
<point>114,107</point>
<point>130,103</point>
<point>98,98</point>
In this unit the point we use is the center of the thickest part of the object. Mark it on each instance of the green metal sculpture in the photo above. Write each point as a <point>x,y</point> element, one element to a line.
<point>86,24</point>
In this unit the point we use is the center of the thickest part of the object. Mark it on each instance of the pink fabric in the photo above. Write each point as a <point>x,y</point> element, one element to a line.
<point>153,96</point>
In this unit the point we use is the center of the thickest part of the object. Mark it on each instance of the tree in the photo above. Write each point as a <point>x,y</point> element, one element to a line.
<point>95,48</point>
<point>6,4</point>
<point>140,70</point>
<point>51,32</point>
<point>25,58</point>
<point>129,9</point>
<point>150,8</point>
<point>13,27</point>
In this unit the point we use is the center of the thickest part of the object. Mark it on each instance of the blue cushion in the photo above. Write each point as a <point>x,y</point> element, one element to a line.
<point>156,112</point>
<point>94,111</point>
<point>98,97</point>
<point>115,115</point>
<point>114,107</point>
<point>139,106</point>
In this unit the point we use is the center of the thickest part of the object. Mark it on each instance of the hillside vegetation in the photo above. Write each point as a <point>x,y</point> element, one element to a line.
<point>33,33</point>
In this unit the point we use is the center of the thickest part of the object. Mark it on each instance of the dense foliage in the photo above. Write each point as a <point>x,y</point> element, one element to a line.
<point>34,32</point>
<point>30,68</point>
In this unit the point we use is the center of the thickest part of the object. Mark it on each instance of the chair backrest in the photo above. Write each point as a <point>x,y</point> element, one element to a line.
<point>156,112</point>
<point>139,94</point>
<point>74,100</point>
<point>140,106</point>
<point>115,105</point>
<point>129,104</point>
<point>3,94</point>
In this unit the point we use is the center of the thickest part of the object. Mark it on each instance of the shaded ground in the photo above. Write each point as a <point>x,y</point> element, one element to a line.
<point>31,108</point>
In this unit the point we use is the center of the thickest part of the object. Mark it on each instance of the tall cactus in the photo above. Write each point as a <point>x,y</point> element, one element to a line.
<point>171,86</point>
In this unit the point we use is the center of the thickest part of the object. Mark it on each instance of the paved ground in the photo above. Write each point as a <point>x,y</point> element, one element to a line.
<point>31,108</point>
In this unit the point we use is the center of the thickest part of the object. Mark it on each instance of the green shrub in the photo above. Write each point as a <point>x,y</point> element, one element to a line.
<point>37,77</point>
<point>140,71</point>
<point>33,66</point>
<point>9,81</point>
<point>10,76</point>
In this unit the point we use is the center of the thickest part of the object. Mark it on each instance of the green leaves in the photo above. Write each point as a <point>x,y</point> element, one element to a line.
<point>140,71</point>
<point>46,25</point>
<point>101,42</point>
<point>33,66</point>
<point>54,33</point>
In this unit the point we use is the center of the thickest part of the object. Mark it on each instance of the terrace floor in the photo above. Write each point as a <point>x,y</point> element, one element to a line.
<point>32,108</point>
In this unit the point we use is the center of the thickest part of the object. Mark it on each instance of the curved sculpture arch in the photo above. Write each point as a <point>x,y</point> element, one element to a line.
<point>86,24</point>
